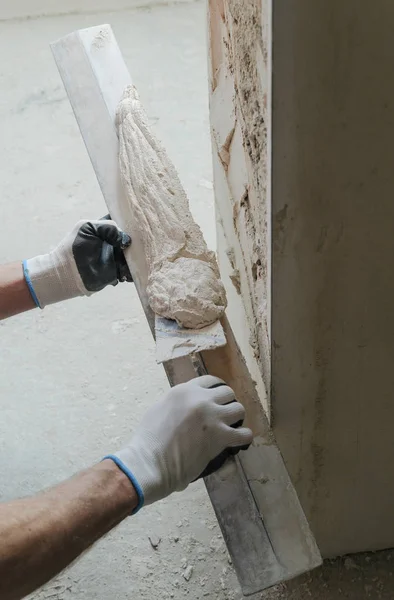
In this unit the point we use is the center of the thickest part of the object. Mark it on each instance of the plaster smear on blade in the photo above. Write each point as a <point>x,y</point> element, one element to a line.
<point>183,281</point>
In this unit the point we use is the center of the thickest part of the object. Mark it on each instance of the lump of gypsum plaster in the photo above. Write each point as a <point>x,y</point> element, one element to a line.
<point>187,290</point>
<point>183,276</point>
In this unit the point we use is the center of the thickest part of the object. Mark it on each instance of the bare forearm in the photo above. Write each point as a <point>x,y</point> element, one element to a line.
<point>40,536</point>
<point>15,296</point>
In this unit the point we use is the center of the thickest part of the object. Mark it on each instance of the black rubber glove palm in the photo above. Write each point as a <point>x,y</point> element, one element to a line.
<point>98,253</point>
<point>85,261</point>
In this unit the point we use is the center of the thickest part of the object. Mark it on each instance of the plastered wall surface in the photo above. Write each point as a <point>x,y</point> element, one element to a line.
<point>331,268</point>
<point>238,105</point>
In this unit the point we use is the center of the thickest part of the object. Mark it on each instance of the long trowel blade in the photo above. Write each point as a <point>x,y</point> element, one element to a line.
<point>256,504</point>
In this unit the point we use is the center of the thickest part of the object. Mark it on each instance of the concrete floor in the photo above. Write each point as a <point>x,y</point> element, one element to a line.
<point>77,377</point>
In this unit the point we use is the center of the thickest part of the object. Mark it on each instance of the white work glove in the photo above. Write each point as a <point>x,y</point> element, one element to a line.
<point>88,259</point>
<point>180,435</point>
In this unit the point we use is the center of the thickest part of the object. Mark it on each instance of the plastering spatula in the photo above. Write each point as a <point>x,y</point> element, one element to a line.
<point>173,341</point>
<point>256,505</point>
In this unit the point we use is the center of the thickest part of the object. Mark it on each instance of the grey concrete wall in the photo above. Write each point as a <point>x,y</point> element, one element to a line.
<point>333,264</point>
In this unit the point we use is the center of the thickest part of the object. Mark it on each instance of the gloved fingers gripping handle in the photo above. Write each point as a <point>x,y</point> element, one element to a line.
<point>122,268</point>
<point>232,414</point>
<point>107,264</point>
<point>84,262</point>
<point>234,419</point>
<point>208,382</point>
<point>239,437</point>
<point>105,230</point>
<point>222,394</point>
<point>179,437</point>
<point>217,462</point>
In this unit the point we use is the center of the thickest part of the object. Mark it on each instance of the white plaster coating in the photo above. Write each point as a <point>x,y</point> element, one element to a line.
<point>183,282</point>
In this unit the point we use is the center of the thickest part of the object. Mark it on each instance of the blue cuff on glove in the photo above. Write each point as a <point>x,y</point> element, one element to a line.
<point>29,283</point>
<point>133,480</point>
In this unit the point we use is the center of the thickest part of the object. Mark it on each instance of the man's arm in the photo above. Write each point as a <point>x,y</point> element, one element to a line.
<point>40,536</point>
<point>88,259</point>
<point>15,296</point>
<point>177,439</point>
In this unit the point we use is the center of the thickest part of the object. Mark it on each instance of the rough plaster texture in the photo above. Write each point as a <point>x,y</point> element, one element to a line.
<point>238,100</point>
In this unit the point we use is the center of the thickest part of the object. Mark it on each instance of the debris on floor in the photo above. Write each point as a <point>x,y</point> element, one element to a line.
<point>154,541</point>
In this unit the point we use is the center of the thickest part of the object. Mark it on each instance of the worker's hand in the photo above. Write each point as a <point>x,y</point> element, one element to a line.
<point>180,435</point>
<point>88,259</point>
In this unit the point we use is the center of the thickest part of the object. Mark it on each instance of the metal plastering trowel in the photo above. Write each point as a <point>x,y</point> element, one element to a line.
<point>173,341</point>
<point>266,546</point>
<point>260,516</point>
